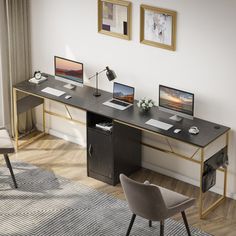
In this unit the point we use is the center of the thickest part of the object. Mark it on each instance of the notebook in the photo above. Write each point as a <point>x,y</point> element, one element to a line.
<point>123,97</point>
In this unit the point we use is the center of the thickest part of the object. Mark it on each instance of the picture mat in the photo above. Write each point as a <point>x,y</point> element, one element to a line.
<point>108,10</point>
<point>158,27</point>
<point>114,15</point>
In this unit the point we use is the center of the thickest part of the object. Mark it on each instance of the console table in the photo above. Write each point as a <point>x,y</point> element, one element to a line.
<point>129,121</point>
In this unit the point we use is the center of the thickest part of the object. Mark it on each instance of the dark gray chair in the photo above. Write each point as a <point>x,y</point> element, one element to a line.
<point>6,147</point>
<point>154,203</point>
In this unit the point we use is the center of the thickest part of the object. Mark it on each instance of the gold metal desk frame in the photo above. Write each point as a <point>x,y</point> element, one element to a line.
<point>15,118</point>
<point>202,212</point>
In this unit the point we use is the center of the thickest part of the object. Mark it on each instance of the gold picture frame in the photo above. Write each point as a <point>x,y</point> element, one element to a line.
<point>158,27</point>
<point>114,18</point>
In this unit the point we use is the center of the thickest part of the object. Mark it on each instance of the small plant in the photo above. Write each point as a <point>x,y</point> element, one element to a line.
<point>145,104</point>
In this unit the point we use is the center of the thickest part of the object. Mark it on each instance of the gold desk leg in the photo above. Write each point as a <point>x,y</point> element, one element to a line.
<point>226,169</point>
<point>31,140</point>
<point>15,120</point>
<point>201,174</point>
<point>212,207</point>
<point>225,181</point>
<point>44,117</point>
<point>204,213</point>
<point>15,115</point>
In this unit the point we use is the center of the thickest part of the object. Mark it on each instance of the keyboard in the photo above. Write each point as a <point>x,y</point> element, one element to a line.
<point>120,103</point>
<point>159,124</point>
<point>53,91</point>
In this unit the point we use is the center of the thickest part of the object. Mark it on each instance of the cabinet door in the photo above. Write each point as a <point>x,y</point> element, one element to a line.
<point>100,153</point>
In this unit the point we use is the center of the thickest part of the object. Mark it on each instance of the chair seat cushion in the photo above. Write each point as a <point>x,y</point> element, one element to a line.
<point>6,145</point>
<point>172,198</point>
<point>175,202</point>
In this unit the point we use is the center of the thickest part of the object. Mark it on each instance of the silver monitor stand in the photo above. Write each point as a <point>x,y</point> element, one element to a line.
<point>176,118</point>
<point>69,86</point>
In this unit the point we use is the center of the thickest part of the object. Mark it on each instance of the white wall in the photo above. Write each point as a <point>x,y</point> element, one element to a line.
<point>204,62</point>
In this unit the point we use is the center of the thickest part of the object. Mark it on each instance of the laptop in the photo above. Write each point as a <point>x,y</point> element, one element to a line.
<point>123,97</point>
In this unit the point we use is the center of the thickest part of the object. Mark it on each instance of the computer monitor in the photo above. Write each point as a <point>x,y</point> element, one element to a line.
<point>177,102</point>
<point>68,71</point>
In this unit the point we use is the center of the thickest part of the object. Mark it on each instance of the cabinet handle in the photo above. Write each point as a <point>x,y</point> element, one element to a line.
<point>90,150</point>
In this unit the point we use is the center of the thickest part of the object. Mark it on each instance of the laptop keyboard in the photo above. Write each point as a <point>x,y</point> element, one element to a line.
<point>119,103</point>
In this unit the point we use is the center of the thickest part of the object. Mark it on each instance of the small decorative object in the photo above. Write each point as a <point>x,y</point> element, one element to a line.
<point>37,75</point>
<point>114,18</point>
<point>158,27</point>
<point>145,104</point>
<point>38,78</point>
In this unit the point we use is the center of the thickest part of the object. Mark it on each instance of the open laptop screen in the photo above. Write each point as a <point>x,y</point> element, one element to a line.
<point>123,92</point>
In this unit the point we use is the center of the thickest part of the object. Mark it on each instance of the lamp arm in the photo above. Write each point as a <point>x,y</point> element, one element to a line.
<point>97,73</point>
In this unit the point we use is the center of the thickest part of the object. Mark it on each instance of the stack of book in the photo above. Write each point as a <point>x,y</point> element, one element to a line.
<point>37,81</point>
<point>106,126</point>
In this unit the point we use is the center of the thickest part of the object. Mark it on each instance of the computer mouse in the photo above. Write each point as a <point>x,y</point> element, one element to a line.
<point>176,131</point>
<point>193,130</point>
<point>67,97</point>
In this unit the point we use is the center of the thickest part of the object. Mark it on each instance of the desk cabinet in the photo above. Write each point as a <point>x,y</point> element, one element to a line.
<point>111,153</point>
<point>100,153</point>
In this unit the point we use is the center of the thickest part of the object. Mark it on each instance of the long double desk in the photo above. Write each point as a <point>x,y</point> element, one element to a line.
<point>82,98</point>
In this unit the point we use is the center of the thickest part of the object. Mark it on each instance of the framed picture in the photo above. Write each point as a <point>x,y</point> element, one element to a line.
<point>158,27</point>
<point>114,18</point>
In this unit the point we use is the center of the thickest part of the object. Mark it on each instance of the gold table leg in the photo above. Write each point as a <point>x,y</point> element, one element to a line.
<point>203,213</point>
<point>15,121</point>
<point>15,118</point>
<point>44,117</point>
<point>201,174</point>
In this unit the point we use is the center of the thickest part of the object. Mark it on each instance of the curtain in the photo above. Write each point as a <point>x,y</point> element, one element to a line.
<point>16,56</point>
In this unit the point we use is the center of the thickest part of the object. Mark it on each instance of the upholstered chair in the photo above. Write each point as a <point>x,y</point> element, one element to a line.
<point>154,203</point>
<point>6,147</point>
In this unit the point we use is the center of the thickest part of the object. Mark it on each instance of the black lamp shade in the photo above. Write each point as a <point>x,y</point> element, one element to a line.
<point>111,75</point>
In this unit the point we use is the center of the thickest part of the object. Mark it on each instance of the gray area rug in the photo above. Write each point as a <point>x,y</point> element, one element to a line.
<point>48,205</point>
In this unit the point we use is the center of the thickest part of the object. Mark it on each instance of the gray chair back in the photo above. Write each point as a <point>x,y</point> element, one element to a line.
<point>144,200</point>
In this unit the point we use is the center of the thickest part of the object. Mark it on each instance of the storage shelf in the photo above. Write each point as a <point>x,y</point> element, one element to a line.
<point>27,103</point>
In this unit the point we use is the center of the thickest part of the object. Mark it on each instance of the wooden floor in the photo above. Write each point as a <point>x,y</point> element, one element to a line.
<point>69,160</point>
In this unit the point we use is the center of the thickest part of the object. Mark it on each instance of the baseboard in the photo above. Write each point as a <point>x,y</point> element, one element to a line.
<point>67,137</point>
<point>63,136</point>
<point>183,178</point>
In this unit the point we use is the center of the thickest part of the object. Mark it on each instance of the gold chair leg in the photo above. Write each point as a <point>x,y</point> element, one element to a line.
<point>15,118</point>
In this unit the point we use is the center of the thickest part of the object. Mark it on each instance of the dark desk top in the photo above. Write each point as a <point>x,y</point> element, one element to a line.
<point>82,97</point>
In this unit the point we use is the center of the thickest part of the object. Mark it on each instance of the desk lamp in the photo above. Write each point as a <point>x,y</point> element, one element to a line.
<point>110,75</point>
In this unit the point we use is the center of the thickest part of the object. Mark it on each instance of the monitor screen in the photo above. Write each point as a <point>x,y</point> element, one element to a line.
<point>72,71</point>
<point>123,92</point>
<point>176,100</point>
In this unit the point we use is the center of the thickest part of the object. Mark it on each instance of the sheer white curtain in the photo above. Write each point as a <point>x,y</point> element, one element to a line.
<point>2,33</point>
<point>1,97</point>
<point>15,55</point>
